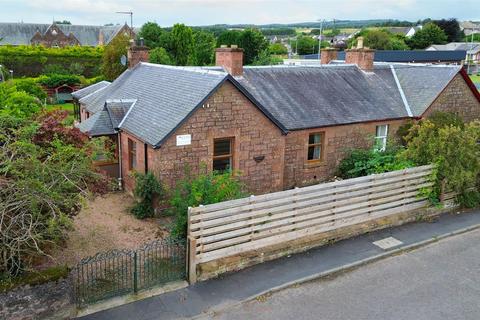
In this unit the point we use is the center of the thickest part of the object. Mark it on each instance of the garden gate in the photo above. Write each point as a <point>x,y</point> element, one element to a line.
<point>119,272</point>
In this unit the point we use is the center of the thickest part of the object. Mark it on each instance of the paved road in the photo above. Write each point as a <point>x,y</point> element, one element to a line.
<point>440,281</point>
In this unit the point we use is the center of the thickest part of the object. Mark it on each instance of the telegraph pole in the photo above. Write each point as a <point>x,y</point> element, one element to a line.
<point>320,37</point>
<point>131,21</point>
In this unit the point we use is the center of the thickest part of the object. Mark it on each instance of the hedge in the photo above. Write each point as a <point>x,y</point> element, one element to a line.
<point>30,61</point>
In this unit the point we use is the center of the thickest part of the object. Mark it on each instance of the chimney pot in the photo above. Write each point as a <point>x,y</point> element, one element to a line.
<point>360,43</point>
<point>231,59</point>
<point>223,46</point>
<point>234,46</point>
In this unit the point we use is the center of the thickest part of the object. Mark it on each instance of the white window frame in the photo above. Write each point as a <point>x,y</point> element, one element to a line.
<point>381,140</point>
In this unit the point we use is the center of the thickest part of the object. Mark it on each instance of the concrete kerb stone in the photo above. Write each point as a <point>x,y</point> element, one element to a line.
<point>338,270</point>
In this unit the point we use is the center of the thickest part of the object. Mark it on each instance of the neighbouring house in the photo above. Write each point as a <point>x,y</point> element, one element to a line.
<point>404,31</point>
<point>408,56</point>
<point>280,126</point>
<point>472,49</point>
<point>60,35</point>
<point>469,27</point>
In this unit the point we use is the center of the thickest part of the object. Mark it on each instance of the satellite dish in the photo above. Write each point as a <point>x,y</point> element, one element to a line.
<point>123,60</point>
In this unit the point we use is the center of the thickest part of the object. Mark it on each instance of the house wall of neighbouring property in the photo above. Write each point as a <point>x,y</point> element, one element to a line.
<point>338,140</point>
<point>458,98</point>
<point>227,113</point>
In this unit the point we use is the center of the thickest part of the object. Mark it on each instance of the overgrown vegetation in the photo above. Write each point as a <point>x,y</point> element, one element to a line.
<point>453,147</point>
<point>361,162</point>
<point>444,140</point>
<point>32,61</point>
<point>204,188</point>
<point>111,66</point>
<point>45,172</point>
<point>147,189</point>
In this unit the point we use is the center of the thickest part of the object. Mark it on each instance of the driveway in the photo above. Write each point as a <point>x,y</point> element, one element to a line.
<point>440,281</point>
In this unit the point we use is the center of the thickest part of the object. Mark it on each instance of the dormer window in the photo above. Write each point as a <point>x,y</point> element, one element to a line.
<point>54,32</point>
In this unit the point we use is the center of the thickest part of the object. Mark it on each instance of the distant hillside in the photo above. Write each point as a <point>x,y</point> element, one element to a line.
<point>328,24</point>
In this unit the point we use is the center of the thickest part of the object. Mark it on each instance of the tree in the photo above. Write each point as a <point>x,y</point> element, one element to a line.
<point>253,43</point>
<point>151,33</point>
<point>160,55</point>
<point>111,66</point>
<point>277,48</point>
<point>266,59</point>
<point>228,38</point>
<point>203,48</point>
<point>428,35</point>
<point>306,45</point>
<point>451,28</point>
<point>377,39</point>
<point>63,22</point>
<point>182,43</point>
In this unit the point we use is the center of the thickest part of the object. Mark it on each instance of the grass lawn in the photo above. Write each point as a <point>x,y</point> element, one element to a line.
<point>475,79</point>
<point>65,106</point>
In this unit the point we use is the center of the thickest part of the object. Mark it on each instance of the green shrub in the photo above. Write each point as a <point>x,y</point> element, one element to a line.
<point>31,87</point>
<point>469,199</point>
<point>205,188</point>
<point>55,69</point>
<point>17,103</point>
<point>147,189</point>
<point>55,80</point>
<point>453,148</point>
<point>361,162</point>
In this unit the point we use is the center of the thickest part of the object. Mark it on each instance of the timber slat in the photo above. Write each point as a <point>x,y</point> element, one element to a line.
<point>232,227</point>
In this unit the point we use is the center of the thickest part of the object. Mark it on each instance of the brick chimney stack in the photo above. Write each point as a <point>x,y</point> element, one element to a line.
<point>137,53</point>
<point>362,57</point>
<point>327,55</point>
<point>231,59</point>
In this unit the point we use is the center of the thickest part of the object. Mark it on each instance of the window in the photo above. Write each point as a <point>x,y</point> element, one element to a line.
<point>381,137</point>
<point>132,154</point>
<point>223,154</point>
<point>315,145</point>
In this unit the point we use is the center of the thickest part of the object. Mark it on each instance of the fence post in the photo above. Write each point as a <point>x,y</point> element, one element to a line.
<point>135,273</point>
<point>192,251</point>
<point>192,265</point>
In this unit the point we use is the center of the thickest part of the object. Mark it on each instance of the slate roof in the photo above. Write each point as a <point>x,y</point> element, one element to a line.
<point>19,33</point>
<point>293,97</point>
<point>308,97</point>
<point>408,56</point>
<point>90,89</point>
<point>165,96</point>
<point>456,46</point>
<point>107,120</point>
<point>422,84</point>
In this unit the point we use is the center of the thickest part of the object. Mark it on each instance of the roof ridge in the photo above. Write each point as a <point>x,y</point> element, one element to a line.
<point>185,68</point>
<point>402,94</point>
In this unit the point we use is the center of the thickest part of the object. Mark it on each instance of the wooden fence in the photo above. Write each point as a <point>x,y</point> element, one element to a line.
<point>229,228</point>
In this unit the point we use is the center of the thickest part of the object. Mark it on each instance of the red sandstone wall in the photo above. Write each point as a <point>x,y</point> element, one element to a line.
<point>458,98</point>
<point>338,140</point>
<point>230,114</point>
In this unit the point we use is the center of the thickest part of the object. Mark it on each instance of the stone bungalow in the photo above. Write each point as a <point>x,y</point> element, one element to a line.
<point>280,126</point>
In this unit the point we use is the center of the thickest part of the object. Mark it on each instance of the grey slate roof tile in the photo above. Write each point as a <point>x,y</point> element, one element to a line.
<point>307,97</point>
<point>90,89</point>
<point>422,84</point>
<point>165,96</point>
<point>98,124</point>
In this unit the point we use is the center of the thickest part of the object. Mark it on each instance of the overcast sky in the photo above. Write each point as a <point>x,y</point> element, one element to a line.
<point>207,12</point>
